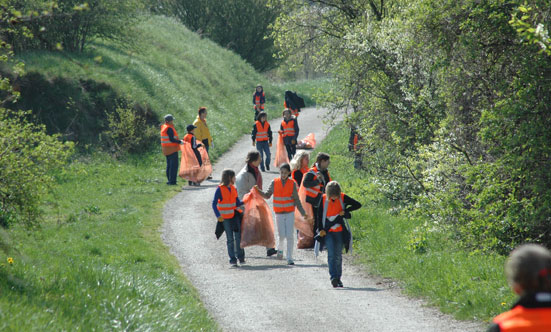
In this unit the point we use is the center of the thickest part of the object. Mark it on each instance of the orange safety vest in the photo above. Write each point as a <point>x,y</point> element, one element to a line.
<point>332,209</point>
<point>315,191</point>
<point>257,100</point>
<point>303,170</point>
<point>355,142</point>
<point>293,111</point>
<point>521,319</point>
<point>283,196</point>
<point>188,138</point>
<point>262,131</point>
<point>288,128</point>
<point>226,206</point>
<point>166,145</point>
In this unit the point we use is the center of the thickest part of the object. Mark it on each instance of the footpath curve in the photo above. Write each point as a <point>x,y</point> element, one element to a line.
<point>265,294</point>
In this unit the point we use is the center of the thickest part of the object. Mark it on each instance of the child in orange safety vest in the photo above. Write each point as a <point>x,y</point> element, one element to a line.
<point>190,138</point>
<point>285,192</point>
<point>289,129</point>
<point>225,204</point>
<point>259,99</point>
<point>528,271</point>
<point>262,139</point>
<point>334,229</point>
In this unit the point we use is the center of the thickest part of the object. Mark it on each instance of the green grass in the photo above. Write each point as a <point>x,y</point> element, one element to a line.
<point>426,263</point>
<point>97,262</point>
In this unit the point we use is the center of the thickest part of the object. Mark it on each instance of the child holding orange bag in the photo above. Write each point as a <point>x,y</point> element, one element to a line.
<point>224,204</point>
<point>285,192</point>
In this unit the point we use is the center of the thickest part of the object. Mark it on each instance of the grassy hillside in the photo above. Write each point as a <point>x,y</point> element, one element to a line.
<point>97,261</point>
<point>469,285</point>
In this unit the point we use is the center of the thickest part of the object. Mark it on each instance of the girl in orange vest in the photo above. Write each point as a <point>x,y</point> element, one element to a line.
<point>528,270</point>
<point>299,166</point>
<point>225,204</point>
<point>289,129</point>
<point>170,145</point>
<point>334,229</point>
<point>286,199</point>
<point>190,138</point>
<point>262,138</point>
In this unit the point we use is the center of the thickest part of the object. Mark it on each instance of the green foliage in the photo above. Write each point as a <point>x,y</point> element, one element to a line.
<point>70,24</point>
<point>239,25</point>
<point>28,158</point>
<point>449,99</point>
<point>128,132</point>
<point>422,258</point>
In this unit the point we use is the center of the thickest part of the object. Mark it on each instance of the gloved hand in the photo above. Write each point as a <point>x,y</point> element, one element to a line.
<point>322,233</point>
<point>220,219</point>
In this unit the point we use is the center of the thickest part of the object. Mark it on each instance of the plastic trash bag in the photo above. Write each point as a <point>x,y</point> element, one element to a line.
<point>305,229</point>
<point>257,227</point>
<point>309,142</point>
<point>189,165</point>
<point>281,156</point>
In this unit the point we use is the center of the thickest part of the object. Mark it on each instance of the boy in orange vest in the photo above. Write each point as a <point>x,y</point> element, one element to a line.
<point>528,271</point>
<point>289,129</point>
<point>334,229</point>
<point>286,199</point>
<point>225,204</point>
<point>190,138</point>
<point>262,138</point>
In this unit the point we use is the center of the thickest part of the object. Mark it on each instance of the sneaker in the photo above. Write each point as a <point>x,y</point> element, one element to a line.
<point>280,254</point>
<point>339,283</point>
<point>267,167</point>
<point>271,252</point>
<point>290,262</point>
<point>335,282</point>
<point>242,261</point>
<point>190,183</point>
<point>209,177</point>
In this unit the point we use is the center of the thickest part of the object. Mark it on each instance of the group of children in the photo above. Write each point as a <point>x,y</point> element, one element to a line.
<point>331,208</point>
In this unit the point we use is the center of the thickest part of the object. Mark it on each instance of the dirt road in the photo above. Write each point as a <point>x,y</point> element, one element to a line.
<point>265,294</point>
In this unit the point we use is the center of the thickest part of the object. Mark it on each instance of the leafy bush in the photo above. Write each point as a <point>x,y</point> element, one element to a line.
<point>128,131</point>
<point>28,158</point>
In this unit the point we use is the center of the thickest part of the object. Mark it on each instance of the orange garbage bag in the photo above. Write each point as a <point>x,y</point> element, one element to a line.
<point>305,228</point>
<point>281,153</point>
<point>189,165</point>
<point>309,142</point>
<point>257,226</point>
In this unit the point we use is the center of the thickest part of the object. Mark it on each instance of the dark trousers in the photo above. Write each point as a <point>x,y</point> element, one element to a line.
<point>206,144</point>
<point>172,167</point>
<point>291,150</point>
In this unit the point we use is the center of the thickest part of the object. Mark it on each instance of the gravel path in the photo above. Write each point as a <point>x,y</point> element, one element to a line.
<point>267,295</point>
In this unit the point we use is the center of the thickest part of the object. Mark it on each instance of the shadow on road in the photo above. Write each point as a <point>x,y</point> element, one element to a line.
<point>362,289</point>
<point>264,267</point>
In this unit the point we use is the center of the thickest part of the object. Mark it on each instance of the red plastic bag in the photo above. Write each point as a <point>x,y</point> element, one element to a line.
<point>305,229</point>
<point>189,165</point>
<point>309,142</point>
<point>281,152</point>
<point>257,226</point>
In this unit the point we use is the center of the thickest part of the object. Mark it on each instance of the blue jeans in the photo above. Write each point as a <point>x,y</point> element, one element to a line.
<point>333,243</point>
<point>233,241</point>
<point>172,167</point>
<point>264,147</point>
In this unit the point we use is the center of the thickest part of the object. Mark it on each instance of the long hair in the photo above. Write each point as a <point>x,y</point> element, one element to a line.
<point>296,163</point>
<point>227,175</point>
<point>253,155</point>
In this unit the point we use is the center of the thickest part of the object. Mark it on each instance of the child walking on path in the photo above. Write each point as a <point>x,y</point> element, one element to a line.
<point>334,229</point>
<point>286,199</point>
<point>528,270</point>
<point>224,204</point>
<point>289,129</point>
<point>190,138</point>
<point>262,134</point>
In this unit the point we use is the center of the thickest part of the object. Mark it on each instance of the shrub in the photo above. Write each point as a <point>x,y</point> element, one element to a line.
<point>28,158</point>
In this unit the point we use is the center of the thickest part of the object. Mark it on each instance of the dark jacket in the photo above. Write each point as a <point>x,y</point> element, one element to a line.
<point>253,134</point>
<point>309,182</point>
<point>262,97</point>
<point>350,205</point>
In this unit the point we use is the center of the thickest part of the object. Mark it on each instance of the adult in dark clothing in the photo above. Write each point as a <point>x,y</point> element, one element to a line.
<point>259,99</point>
<point>315,181</point>
<point>170,147</point>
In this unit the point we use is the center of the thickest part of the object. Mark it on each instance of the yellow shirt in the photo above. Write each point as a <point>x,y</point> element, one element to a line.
<point>202,132</point>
